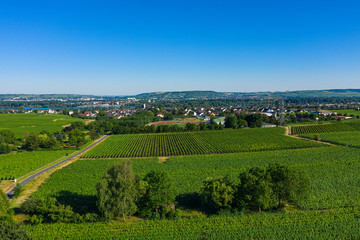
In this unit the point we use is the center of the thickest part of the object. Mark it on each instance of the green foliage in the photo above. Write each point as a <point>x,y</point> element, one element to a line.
<point>189,143</point>
<point>331,224</point>
<point>11,231</point>
<point>217,193</point>
<point>7,136</point>
<point>4,148</point>
<point>255,190</point>
<point>158,194</point>
<point>17,190</point>
<point>117,191</point>
<point>287,184</point>
<point>6,212</point>
<point>50,210</point>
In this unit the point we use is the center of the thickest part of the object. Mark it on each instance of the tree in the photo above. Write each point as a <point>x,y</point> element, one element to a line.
<point>287,184</point>
<point>254,120</point>
<point>158,193</point>
<point>218,193</point>
<point>5,210</point>
<point>32,143</point>
<point>117,191</point>
<point>254,190</point>
<point>231,122</point>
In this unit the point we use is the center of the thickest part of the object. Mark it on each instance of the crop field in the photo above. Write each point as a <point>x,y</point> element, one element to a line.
<point>14,165</point>
<point>33,123</point>
<point>333,224</point>
<point>190,143</point>
<point>321,128</point>
<point>333,172</point>
<point>351,139</point>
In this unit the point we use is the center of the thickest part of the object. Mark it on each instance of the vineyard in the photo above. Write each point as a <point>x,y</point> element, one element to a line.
<point>14,165</point>
<point>321,128</point>
<point>75,184</point>
<point>350,139</point>
<point>333,224</point>
<point>190,143</point>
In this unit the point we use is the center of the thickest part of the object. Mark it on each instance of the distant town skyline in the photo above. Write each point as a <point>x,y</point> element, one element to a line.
<point>133,47</point>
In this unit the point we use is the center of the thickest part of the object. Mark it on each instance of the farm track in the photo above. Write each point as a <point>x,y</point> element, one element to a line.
<point>287,133</point>
<point>30,178</point>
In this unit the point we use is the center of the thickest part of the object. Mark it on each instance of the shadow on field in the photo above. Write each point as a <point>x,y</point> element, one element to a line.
<point>80,203</point>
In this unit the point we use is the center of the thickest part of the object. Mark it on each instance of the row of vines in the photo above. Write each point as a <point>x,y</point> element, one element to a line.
<point>192,143</point>
<point>321,128</point>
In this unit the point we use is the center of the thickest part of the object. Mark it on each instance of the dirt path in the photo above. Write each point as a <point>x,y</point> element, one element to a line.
<point>287,133</point>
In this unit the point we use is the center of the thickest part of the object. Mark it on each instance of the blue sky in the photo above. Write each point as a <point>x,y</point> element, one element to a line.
<point>130,47</point>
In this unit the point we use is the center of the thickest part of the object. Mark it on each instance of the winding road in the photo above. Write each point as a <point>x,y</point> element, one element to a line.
<point>10,193</point>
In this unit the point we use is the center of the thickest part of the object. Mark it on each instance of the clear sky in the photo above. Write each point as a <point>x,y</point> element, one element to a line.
<point>130,47</point>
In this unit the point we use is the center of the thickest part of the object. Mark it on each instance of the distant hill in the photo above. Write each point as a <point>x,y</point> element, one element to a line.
<point>215,95</point>
<point>179,95</point>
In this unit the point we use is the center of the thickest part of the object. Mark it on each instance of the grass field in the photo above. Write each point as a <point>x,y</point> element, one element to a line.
<point>334,224</point>
<point>348,112</point>
<point>14,165</point>
<point>333,172</point>
<point>33,123</point>
<point>190,143</point>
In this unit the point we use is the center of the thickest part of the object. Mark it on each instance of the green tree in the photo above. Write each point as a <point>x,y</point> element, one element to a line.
<point>254,190</point>
<point>288,185</point>
<point>231,122</point>
<point>32,143</point>
<point>158,192</point>
<point>5,210</point>
<point>117,191</point>
<point>218,193</point>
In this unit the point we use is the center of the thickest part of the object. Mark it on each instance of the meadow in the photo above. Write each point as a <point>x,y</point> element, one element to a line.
<point>14,165</point>
<point>34,123</point>
<point>192,143</point>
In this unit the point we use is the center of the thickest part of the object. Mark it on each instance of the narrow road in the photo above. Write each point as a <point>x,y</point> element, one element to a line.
<point>10,193</point>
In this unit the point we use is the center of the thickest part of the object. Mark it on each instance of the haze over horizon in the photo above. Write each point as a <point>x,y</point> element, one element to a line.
<point>128,48</point>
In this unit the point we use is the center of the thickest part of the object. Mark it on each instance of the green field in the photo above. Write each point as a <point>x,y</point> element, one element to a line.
<point>321,128</point>
<point>14,165</point>
<point>333,224</point>
<point>351,139</point>
<point>348,112</point>
<point>333,172</point>
<point>190,143</point>
<point>34,123</point>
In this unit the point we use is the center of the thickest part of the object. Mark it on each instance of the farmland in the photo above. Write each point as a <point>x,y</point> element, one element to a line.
<point>14,165</point>
<point>333,224</point>
<point>333,172</point>
<point>191,143</point>
<point>351,139</point>
<point>320,128</point>
<point>34,123</point>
